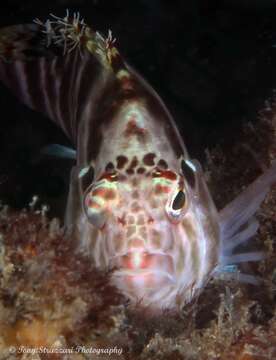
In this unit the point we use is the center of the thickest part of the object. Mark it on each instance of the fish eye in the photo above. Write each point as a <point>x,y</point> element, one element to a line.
<point>179,200</point>
<point>177,205</point>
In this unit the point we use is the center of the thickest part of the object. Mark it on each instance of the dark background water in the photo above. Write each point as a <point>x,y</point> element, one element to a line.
<point>213,63</point>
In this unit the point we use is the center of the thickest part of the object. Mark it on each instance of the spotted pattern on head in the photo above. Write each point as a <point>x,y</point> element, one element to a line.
<point>134,166</point>
<point>162,164</point>
<point>109,167</point>
<point>126,198</point>
<point>149,159</point>
<point>121,161</point>
<point>137,239</point>
<point>141,170</point>
<point>133,163</point>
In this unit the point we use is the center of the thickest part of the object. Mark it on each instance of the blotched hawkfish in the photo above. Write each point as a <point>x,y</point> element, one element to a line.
<point>147,212</point>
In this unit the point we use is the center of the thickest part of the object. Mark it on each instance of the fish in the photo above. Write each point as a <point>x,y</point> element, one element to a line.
<point>138,205</point>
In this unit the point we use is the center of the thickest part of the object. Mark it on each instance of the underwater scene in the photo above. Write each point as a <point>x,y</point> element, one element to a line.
<point>138,180</point>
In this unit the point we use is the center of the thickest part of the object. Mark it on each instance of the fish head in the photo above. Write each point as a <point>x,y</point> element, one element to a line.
<point>157,229</point>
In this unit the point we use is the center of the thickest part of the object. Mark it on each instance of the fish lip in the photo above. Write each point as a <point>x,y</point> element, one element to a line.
<point>140,272</point>
<point>164,268</point>
<point>142,251</point>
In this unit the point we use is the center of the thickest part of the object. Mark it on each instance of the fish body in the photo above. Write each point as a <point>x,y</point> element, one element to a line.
<point>161,251</point>
<point>146,211</point>
<point>150,222</point>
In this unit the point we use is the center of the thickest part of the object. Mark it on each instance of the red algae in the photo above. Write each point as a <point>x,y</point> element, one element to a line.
<point>47,289</point>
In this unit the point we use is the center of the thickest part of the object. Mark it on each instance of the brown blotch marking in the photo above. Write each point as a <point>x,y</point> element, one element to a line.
<point>130,171</point>
<point>149,159</point>
<point>162,164</point>
<point>134,162</point>
<point>133,129</point>
<point>121,161</point>
<point>109,167</point>
<point>140,170</point>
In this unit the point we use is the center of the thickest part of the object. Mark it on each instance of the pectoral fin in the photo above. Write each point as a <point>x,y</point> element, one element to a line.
<point>237,219</point>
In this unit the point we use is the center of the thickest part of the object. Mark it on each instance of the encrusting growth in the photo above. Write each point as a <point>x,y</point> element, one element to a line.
<point>72,32</point>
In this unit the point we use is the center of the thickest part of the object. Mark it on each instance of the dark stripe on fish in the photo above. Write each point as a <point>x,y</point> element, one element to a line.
<point>56,84</point>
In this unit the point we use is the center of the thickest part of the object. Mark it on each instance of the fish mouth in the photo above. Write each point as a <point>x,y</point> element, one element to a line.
<point>138,261</point>
<point>141,274</point>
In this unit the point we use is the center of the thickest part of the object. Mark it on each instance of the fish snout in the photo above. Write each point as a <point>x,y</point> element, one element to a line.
<point>143,275</point>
